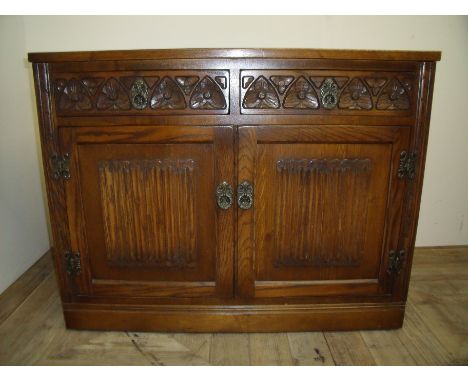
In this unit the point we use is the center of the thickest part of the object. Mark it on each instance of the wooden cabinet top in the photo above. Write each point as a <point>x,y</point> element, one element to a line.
<point>234,53</point>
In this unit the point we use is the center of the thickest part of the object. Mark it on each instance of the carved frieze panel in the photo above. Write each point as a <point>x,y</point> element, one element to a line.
<point>155,92</point>
<point>317,91</point>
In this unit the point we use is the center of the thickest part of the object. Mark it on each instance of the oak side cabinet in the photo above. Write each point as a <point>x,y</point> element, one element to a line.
<point>234,190</point>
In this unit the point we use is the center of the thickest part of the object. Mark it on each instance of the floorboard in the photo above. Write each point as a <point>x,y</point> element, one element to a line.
<point>435,331</point>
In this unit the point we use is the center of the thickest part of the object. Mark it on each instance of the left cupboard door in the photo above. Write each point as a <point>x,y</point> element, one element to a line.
<point>144,217</point>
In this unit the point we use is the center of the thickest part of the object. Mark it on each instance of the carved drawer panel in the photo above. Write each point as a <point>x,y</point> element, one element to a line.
<point>139,93</point>
<point>326,92</point>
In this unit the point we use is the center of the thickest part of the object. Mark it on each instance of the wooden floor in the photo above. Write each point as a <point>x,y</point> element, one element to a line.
<point>435,331</point>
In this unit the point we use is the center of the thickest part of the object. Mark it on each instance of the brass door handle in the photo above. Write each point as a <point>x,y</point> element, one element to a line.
<point>245,195</point>
<point>224,195</point>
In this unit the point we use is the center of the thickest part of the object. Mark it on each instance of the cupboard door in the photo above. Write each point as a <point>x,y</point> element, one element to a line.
<point>143,211</point>
<point>326,209</point>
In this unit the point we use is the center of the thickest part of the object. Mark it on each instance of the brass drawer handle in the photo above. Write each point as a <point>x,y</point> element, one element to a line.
<point>245,195</point>
<point>224,195</point>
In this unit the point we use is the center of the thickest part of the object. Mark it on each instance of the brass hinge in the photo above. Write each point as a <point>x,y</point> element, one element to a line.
<point>395,262</point>
<point>61,166</point>
<point>407,168</point>
<point>73,263</point>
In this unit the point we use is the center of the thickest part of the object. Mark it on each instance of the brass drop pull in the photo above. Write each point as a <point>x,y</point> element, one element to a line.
<point>245,195</point>
<point>224,195</point>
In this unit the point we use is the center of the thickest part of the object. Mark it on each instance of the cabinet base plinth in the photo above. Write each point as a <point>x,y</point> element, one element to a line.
<point>268,318</point>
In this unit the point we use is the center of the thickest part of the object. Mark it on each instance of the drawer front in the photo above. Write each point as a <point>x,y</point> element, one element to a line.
<point>157,92</point>
<point>327,92</point>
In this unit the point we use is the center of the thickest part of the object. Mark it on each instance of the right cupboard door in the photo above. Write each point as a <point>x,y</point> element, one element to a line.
<point>325,211</point>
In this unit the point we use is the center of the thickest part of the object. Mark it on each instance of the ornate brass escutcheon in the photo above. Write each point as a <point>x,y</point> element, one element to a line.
<point>224,195</point>
<point>139,94</point>
<point>329,93</point>
<point>245,195</point>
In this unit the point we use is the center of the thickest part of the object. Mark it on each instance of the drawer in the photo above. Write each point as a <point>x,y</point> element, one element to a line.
<point>327,92</point>
<point>142,92</point>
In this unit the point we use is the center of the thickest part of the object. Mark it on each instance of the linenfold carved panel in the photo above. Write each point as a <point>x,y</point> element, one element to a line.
<point>293,91</point>
<point>302,186</point>
<point>155,92</point>
<point>146,196</point>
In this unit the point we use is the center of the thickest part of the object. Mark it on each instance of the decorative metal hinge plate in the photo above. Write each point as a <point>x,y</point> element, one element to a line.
<point>73,263</point>
<point>61,166</point>
<point>395,262</point>
<point>407,168</point>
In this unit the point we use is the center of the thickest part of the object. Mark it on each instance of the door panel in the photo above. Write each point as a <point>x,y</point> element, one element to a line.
<point>323,215</point>
<point>148,215</point>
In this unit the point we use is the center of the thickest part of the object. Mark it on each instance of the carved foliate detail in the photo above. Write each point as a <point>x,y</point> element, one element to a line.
<point>317,81</point>
<point>376,84</point>
<point>341,81</point>
<point>355,96</point>
<point>207,95</point>
<point>183,93</point>
<point>394,96</point>
<point>246,81</point>
<point>112,96</point>
<point>75,96</point>
<point>59,86</point>
<point>187,83</point>
<point>167,95</point>
<point>282,82</point>
<point>266,90</point>
<point>261,95</point>
<point>221,81</point>
<point>301,95</point>
<point>92,84</point>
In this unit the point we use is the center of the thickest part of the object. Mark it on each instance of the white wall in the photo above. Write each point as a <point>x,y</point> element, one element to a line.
<point>444,207</point>
<point>23,227</point>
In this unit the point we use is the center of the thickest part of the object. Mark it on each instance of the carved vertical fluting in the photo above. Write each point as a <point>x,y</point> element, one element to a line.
<point>148,212</point>
<point>311,203</point>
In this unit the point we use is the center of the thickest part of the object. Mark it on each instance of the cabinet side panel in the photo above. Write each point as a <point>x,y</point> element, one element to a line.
<point>55,190</point>
<point>418,145</point>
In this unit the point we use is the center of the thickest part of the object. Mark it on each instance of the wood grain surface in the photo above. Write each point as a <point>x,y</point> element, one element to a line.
<point>434,330</point>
